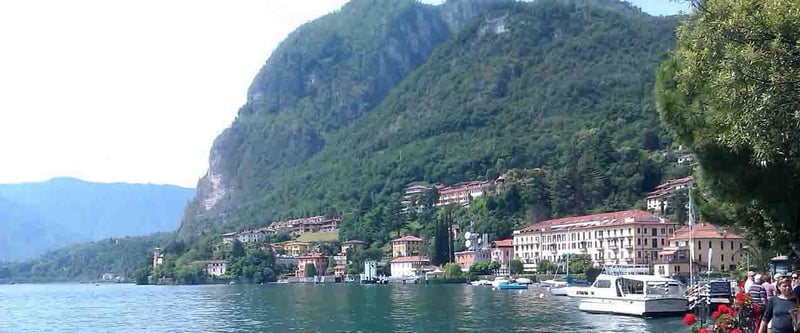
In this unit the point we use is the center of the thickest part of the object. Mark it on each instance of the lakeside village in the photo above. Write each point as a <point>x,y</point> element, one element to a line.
<point>631,237</point>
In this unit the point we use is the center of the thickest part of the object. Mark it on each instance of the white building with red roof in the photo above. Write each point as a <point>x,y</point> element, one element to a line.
<point>461,193</point>
<point>408,266</point>
<point>661,196</point>
<point>624,237</point>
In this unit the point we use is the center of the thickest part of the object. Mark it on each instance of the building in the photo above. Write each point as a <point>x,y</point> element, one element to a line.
<point>624,237</point>
<point>216,267</point>
<point>408,266</point>
<point>296,248</point>
<point>686,159</point>
<point>227,238</point>
<point>462,193</point>
<point>320,223</point>
<point>726,250</point>
<point>658,200</point>
<point>158,257</point>
<point>412,194</point>
<point>319,261</point>
<point>502,252</point>
<point>464,259</point>
<point>341,263</point>
<point>406,246</point>
<point>355,245</point>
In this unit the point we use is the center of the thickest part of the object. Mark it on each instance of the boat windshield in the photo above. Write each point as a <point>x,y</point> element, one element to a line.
<point>672,289</point>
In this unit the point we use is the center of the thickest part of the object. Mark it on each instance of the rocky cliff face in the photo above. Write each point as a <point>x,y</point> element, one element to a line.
<point>325,75</point>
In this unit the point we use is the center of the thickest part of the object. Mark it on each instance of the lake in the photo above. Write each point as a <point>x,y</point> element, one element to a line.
<point>300,308</point>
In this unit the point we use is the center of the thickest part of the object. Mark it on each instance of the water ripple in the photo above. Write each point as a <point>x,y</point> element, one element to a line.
<point>300,308</point>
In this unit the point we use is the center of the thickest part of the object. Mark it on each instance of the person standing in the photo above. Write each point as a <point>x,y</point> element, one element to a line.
<point>759,297</point>
<point>780,309</point>
<point>749,282</point>
<point>769,288</point>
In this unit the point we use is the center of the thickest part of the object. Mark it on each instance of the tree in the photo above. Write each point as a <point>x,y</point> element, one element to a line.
<point>730,92</point>
<point>452,270</point>
<point>515,266</point>
<point>237,249</point>
<point>545,266</point>
<point>310,270</point>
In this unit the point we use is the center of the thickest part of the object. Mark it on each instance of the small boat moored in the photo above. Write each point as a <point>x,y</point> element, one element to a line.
<point>635,295</point>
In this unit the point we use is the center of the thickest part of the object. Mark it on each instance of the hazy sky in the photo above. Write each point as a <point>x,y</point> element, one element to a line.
<point>136,91</point>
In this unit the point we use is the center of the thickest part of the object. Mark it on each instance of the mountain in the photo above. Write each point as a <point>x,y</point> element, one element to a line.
<point>37,217</point>
<point>353,106</point>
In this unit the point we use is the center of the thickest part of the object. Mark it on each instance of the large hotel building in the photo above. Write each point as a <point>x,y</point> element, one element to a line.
<point>625,237</point>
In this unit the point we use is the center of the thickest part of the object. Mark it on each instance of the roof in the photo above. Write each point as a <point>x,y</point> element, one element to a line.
<point>353,242</point>
<point>596,220</point>
<point>229,234</point>
<point>464,186</point>
<point>668,186</point>
<point>411,259</point>
<point>408,238</point>
<point>705,231</point>
<point>312,256</point>
<point>504,242</point>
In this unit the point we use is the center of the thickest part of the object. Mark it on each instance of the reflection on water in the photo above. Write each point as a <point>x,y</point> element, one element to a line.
<point>282,308</point>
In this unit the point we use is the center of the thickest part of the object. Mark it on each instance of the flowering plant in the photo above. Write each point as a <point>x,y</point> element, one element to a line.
<point>726,318</point>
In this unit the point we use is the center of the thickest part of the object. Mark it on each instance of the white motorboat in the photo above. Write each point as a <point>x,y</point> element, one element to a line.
<point>524,281</point>
<point>499,280</point>
<point>571,291</point>
<point>636,295</point>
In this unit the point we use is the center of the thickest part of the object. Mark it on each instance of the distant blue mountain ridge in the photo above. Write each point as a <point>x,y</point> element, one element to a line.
<point>43,216</point>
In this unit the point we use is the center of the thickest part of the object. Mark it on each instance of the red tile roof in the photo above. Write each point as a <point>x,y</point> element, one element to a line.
<point>411,259</point>
<point>597,220</point>
<point>408,238</point>
<point>667,187</point>
<point>312,256</point>
<point>504,242</point>
<point>706,230</point>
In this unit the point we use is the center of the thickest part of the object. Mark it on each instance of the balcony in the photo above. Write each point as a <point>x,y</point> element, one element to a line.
<point>613,247</point>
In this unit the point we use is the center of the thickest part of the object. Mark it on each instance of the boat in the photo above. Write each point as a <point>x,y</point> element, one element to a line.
<point>524,281</point>
<point>512,286</point>
<point>635,295</point>
<point>481,283</point>
<point>499,280</point>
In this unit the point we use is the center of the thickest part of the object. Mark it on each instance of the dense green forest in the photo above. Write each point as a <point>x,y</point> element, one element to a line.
<point>564,86</point>
<point>87,261</point>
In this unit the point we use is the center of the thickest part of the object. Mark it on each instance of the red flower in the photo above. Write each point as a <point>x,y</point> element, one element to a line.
<point>735,330</point>
<point>724,326</point>
<point>703,330</point>
<point>689,319</point>
<point>715,314</point>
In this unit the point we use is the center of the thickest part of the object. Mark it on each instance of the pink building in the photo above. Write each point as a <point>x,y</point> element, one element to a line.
<point>502,253</point>
<point>319,261</point>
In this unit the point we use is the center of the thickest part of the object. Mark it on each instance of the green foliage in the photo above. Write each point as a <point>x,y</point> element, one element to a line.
<point>565,88</point>
<point>729,92</point>
<point>545,266</point>
<point>89,261</point>
<point>515,266</point>
<point>452,270</point>
<point>310,270</point>
<point>579,264</point>
<point>255,266</point>
<point>484,267</point>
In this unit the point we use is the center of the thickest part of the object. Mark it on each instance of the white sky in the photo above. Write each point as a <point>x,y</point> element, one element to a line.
<point>135,91</point>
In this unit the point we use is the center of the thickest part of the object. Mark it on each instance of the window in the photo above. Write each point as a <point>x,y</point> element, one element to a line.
<point>721,257</point>
<point>655,242</point>
<point>639,254</point>
<point>663,231</point>
<point>662,242</point>
<point>731,245</point>
<point>709,244</point>
<point>639,241</point>
<point>654,231</point>
<point>699,257</point>
<point>638,230</point>
<point>645,242</point>
<point>699,245</point>
<point>602,284</point>
<point>721,245</point>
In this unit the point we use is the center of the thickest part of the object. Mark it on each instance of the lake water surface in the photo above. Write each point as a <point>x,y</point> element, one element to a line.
<point>300,308</point>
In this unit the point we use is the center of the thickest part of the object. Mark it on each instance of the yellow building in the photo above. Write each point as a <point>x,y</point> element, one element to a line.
<point>355,245</point>
<point>295,248</point>
<point>406,246</point>
<point>726,250</point>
